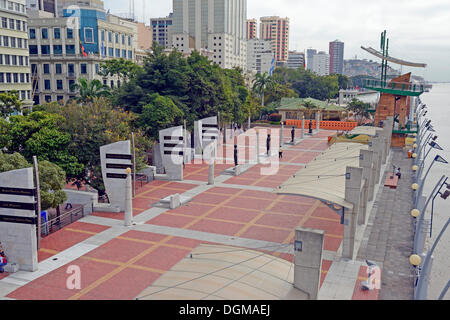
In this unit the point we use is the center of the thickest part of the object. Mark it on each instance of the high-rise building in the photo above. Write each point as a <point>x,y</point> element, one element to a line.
<point>64,49</point>
<point>259,56</point>
<point>251,29</point>
<point>309,58</point>
<point>321,63</point>
<point>14,57</point>
<point>217,27</point>
<point>276,29</point>
<point>336,57</point>
<point>296,60</point>
<point>162,30</point>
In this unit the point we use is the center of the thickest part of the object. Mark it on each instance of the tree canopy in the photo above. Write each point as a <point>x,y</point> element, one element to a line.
<point>309,85</point>
<point>9,103</point>
<point>196,86</point>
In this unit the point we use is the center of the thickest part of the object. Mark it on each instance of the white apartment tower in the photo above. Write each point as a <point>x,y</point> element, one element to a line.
<point>259,55</point>
<point>217,26</point>
<point>321,63</point>
<point>14,57</point>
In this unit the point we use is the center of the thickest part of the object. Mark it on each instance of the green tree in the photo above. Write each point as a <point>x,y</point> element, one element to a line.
<point>359,110</point>
<point>52,180</point>
<point>52,145</point>
<point>9,103</point>
<point>92,125</point>
<point>88,90</point>
<point>159,114</point>
<point>310,106</point>
<point>196,86</point>
<point>40,134</point>
<point>261,83</point>
<point>123,68</point>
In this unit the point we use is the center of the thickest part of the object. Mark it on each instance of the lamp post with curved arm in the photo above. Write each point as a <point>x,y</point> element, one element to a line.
<point>421,290</point>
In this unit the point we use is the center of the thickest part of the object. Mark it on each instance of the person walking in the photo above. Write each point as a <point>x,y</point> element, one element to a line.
<point>235,155</point>
<point>268,144</point>
<point>293,134</point>
<point>280,153</point>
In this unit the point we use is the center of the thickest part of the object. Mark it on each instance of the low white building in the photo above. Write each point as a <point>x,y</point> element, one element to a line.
<point>296,60</point>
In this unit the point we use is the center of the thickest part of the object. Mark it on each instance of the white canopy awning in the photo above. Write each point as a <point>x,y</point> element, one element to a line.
<point>370,131</point>
<point>324,177</point>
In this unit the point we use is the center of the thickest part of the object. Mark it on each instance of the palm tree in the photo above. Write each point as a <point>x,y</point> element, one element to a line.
<point>309,105</point>
<point>88,90</point>
<point>261,83</point>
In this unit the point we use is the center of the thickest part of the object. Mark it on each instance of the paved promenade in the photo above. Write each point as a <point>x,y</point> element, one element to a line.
<point>388,240</point>
<point>117,262</point>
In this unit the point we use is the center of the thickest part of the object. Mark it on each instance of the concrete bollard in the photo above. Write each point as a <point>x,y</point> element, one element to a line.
<point>175,201</point>
<point>128,217</point>
<point>257,147</point>
<point>237,170</point>
<point>211,173</point>
<point>282,135</point>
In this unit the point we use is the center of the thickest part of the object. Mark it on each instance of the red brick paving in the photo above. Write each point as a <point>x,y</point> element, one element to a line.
<point>358,293</point>
<point>228,211</point>
<point>67,237</point>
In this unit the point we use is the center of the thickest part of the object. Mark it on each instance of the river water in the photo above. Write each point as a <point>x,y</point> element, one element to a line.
<point>438,103</point>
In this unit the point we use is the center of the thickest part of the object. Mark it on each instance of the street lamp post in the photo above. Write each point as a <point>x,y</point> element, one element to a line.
<point>419,234</point>
<point>438,158</point>
<point>420,293</point>
<point>444,196</point>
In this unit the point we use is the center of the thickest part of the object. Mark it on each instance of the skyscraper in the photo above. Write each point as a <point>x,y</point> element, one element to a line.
<point>321,63</point>
<point>336,57</point>
<point>215,26</point>
<point>251,29</point>
<point>309,58</point>
<point>276,29</point>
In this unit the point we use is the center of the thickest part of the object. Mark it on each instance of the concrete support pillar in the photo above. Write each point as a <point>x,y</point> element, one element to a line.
<point>373,175</point>
<point>303,127</point>
<point>282,135</point>
<point>128,217</point>
<point>257,147</point>
<point>366,163</point>
<point>377,147</point>
<point>317,121</point>
<point>308,248</point>
<point>353,182</point>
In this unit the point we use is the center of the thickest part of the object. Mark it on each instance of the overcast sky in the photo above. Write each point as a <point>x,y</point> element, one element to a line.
<point>419,30</point>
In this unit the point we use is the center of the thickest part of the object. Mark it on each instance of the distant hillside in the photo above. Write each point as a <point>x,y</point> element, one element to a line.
<point>357,67</point>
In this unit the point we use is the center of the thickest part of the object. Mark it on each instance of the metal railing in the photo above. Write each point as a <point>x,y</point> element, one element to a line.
<point>59,222</point>
<point>410,86</point>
